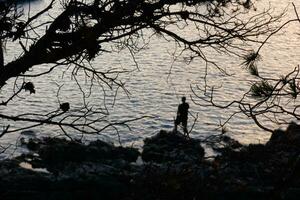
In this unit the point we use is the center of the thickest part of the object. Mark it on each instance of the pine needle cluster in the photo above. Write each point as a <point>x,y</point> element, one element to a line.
<point>250,62</point>
<point>261,89</point>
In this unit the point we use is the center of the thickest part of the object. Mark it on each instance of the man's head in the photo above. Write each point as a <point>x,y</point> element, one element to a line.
<point>183,99</point>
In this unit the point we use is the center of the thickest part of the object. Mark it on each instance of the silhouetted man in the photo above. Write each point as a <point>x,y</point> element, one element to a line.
<point>182,115</point>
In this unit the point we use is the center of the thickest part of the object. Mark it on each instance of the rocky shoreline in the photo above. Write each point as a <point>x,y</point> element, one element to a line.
<point>171,167</point>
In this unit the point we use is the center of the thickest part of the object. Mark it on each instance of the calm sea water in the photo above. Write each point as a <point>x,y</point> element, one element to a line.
<point>156,88</point>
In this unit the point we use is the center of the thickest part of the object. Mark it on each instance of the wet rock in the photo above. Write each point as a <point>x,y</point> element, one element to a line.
<point>28,133</point>
<point>56,153</point>
<point>171,147</point>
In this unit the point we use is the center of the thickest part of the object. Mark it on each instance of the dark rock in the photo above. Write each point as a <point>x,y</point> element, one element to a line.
<point>293,133</point>
<point>75,171</point>
<point>76,182</point>
<point>101,150</point>
<point>224,144</point>
<point>277,137</point>
<point>101,170</point>
<point>56,153</point>
<point>174,147</point>
<point>231,143</point>
<point>33,144</point>
<point>286,140</point>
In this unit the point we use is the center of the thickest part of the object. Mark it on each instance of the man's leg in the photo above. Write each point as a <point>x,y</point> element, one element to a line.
<point>176,122</point>
<point>185,131</point>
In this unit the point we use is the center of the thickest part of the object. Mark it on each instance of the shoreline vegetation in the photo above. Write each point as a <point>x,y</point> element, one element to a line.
<point>169,167</point>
